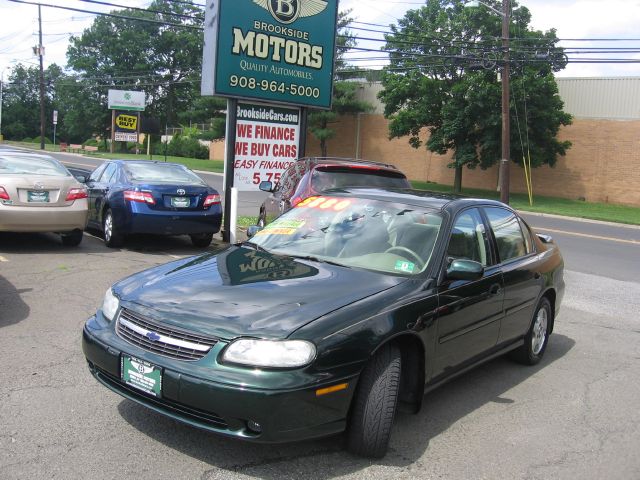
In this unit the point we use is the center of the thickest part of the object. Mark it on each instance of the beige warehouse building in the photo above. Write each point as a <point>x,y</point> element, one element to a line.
<point>603,164</point>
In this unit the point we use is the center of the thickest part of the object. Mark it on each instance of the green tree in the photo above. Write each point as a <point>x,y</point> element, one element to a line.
<point>160,59</point>
<point>344,101</point>
<point>21,101</point>
<point>442,77</point>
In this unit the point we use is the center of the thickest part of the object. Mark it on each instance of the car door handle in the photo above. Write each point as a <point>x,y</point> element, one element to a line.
<point>495,290</point>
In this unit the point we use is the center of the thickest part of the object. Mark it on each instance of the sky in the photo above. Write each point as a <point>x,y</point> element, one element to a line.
<point>573,19</point>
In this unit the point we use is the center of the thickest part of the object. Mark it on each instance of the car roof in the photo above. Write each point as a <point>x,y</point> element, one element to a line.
<point>316,161</point>
<point>423,198</point>
<point>122,161</point>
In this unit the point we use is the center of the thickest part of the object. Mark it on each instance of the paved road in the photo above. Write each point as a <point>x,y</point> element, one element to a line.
<point>573,416</point>
<point>576,415</point>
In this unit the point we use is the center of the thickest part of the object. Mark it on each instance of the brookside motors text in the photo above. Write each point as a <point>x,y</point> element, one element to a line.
<point>264,46</point>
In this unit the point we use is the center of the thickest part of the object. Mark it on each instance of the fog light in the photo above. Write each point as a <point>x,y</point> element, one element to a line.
<point>254,426</point>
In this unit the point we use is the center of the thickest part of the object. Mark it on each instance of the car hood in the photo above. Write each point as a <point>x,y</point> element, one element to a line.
<point>244,292</point>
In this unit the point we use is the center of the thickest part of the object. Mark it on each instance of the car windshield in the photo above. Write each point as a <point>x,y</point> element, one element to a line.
<point>31,165</point>
<point>338,178</point>
<point>355,232</point>
<point>160,173</point>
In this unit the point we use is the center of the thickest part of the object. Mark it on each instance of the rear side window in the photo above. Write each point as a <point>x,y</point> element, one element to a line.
<point>324,178</point>
<point>507,232</point>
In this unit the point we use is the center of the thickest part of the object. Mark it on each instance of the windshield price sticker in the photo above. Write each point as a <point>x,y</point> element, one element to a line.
<point>324,203</point>
<point>282,227</point>
<point>267,140</point>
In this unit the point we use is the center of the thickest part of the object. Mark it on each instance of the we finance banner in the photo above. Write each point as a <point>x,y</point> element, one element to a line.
<point>267,139</point>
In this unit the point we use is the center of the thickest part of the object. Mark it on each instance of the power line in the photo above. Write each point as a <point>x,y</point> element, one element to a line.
<point>125,17</point>
<point>180,15</point>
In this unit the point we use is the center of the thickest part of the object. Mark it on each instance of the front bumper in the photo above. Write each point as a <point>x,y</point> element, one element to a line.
<point>206,395</point>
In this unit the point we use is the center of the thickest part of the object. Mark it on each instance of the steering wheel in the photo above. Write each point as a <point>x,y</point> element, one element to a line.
<point>405,250</point>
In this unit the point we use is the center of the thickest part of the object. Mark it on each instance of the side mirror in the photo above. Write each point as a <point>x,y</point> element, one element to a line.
<point>252,230</point>
<point>465,270</point>
<point>266,186</point>
<point>81,178</point>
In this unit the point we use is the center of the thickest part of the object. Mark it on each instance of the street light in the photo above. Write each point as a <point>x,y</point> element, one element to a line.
<point>503,172</point>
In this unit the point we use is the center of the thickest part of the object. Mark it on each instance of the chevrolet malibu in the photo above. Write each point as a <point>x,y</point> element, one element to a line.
<point>352,303</point>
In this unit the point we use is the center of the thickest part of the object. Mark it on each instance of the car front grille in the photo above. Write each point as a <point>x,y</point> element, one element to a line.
<point>163,340</point>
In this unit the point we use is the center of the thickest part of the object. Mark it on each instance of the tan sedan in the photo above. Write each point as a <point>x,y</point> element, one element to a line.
<point>38,194</point>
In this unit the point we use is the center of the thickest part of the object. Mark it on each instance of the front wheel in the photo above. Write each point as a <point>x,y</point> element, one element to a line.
<point>536,339</point>
<point>201,240</point>
<point>374,407</point>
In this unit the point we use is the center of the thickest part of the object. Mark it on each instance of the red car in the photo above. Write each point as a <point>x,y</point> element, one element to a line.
<point>310,176</point>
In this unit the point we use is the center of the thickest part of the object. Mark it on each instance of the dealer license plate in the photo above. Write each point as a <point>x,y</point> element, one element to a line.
<point>141,375</point>
<point>180,202</point>
<point>38,196</point>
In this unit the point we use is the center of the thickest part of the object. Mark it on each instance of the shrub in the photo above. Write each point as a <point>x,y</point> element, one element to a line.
<point>181,146</point>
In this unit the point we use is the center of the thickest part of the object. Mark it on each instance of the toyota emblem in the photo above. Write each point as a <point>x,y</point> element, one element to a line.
<point>181,191</point>
<point>38,186</point>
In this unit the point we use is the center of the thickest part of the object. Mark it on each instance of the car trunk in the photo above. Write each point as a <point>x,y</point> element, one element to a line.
<point>176,197</point>
<point>38,191</point>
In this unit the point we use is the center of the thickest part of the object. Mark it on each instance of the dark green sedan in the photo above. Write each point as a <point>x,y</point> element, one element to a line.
<point>346,307</point>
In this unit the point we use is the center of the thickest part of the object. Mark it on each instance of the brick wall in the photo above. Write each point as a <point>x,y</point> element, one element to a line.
<point>603,165</point>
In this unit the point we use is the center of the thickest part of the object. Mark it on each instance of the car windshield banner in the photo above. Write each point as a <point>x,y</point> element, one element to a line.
<point>278,51</point>
<point>266,143</point>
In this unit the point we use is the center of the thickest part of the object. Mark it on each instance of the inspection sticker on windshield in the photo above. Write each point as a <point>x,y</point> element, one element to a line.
<point>141,375</point>
<point>404,266</point>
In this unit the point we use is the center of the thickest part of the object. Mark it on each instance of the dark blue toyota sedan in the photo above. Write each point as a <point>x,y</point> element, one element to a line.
<point>127,197</point>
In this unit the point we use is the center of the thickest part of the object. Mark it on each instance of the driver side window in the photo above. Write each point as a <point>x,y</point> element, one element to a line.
<point>469,238</point>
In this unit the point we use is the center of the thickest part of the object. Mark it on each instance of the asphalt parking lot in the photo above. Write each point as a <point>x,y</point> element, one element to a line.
<point>575,415</point>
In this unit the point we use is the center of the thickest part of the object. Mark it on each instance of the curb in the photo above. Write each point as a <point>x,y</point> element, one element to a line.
<point>579,219</point>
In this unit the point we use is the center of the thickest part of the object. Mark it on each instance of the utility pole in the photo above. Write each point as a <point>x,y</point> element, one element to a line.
<point>40,54</point>
<point>506,130</point>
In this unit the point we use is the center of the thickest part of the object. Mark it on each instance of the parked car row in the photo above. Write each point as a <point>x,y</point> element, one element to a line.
<point>119,198</point>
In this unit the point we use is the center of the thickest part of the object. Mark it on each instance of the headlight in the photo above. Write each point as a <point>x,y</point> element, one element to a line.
<point>110,305</point>
<point>270,353</point>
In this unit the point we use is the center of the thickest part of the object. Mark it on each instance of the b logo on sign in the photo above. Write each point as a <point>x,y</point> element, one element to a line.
<point>288,11</point>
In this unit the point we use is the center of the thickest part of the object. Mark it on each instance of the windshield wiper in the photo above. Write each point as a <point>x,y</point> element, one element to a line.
<point>319,260</point>
<point>259,248</point>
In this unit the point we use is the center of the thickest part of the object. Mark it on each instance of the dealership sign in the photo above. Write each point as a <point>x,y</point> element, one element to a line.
<point>126,100</point>
<point>267,140</point>
<point>278,51</point>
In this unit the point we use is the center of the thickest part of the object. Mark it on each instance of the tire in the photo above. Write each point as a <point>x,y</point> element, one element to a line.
<point>374,404</point>
<point>536,339</point>
<point>72,239</point>
<point>112,238</point>
<point>201,240</point>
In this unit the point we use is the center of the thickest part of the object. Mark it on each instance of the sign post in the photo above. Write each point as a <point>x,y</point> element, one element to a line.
<point>55,123</point>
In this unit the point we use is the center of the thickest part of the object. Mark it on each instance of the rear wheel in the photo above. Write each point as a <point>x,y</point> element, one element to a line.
<point>201,240</point>
<point>72,239</point>
<point>374,407</point>
<point>112,238</point>
<point>535,342</point>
